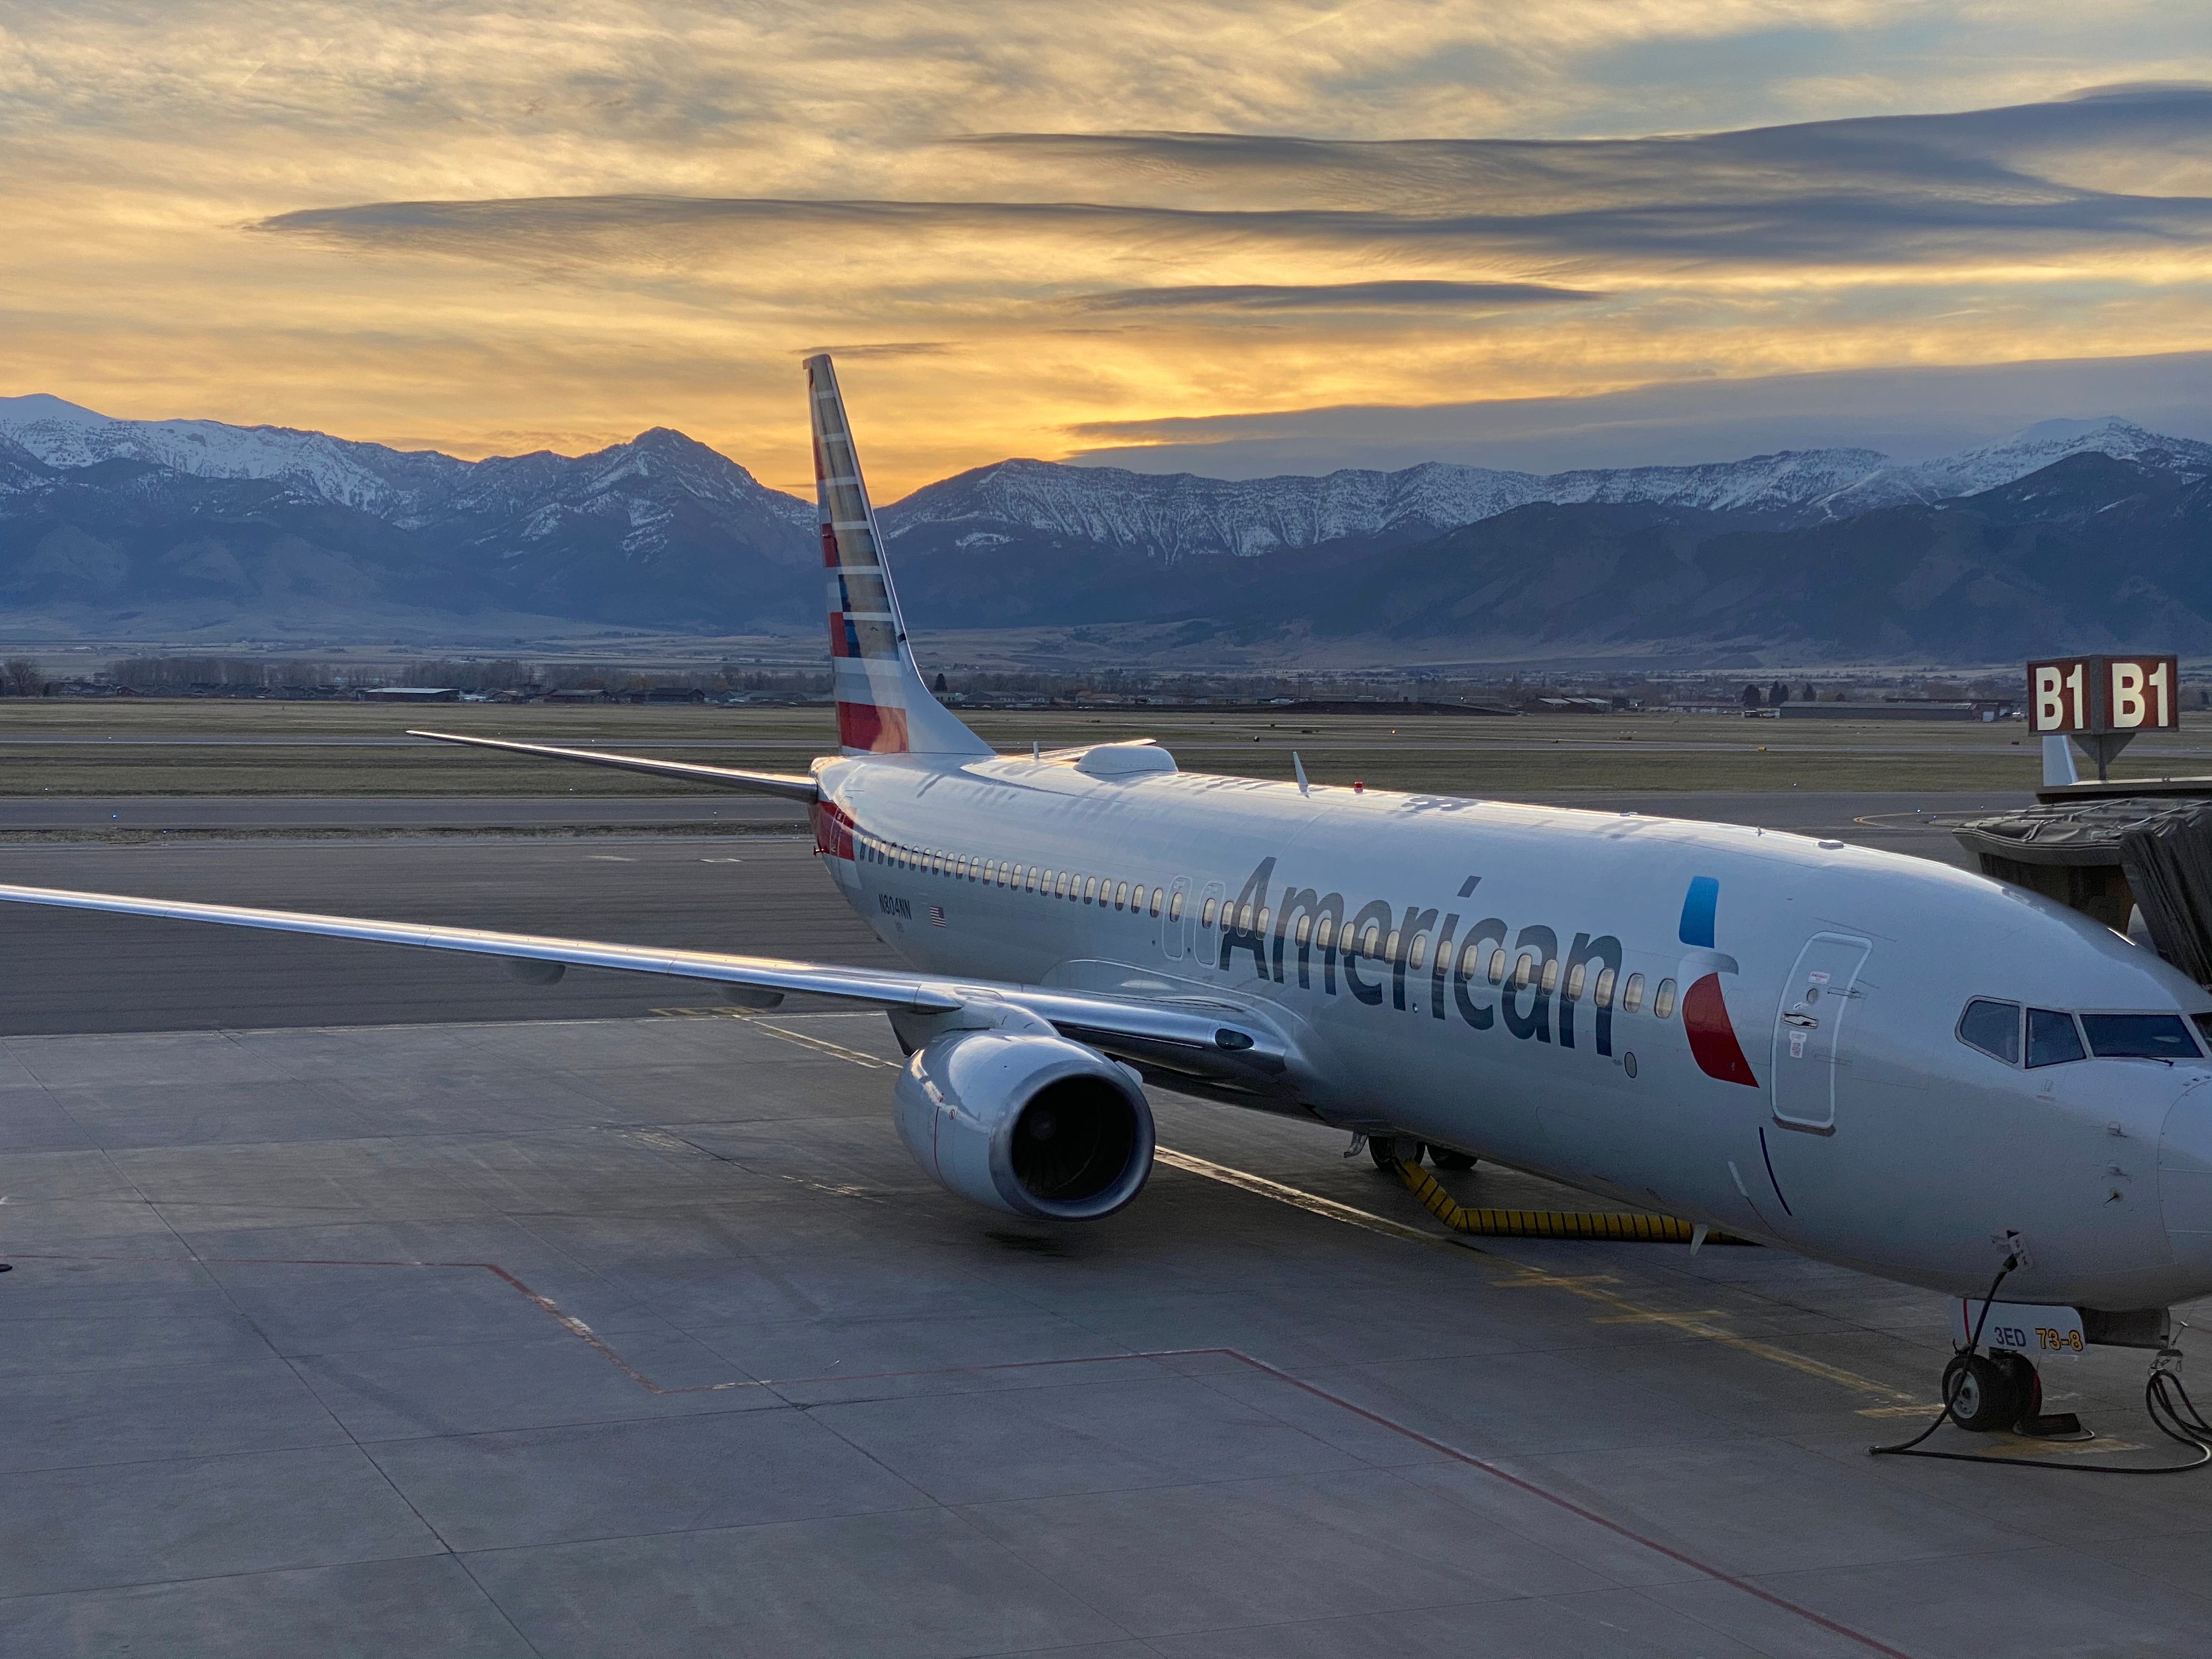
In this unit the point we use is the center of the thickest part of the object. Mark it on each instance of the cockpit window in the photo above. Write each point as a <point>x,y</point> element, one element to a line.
<point>1992,1027</point>
<point>2139,1037</point>
<point>2051,1038</point>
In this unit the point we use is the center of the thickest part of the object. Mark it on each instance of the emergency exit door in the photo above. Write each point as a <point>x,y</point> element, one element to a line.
<point>1811,1029</point>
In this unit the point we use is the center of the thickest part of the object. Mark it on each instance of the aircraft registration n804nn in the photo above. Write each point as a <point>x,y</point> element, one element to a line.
<point>1872,1060</point>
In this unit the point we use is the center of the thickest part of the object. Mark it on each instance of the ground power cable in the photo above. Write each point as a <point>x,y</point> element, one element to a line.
<point>1619,1226</point>
<point>2165,1399</point>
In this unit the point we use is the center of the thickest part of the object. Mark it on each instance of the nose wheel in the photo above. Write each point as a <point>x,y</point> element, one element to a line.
<point>1989,1391</point>
<point>1985,1392</point>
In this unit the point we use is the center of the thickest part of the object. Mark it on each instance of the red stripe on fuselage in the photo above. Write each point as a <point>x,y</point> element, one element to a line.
<point>1712,1037</point>
<point>833,830</point>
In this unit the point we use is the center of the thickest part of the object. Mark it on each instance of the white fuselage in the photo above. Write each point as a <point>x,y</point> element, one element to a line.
<point>1859,1129</point>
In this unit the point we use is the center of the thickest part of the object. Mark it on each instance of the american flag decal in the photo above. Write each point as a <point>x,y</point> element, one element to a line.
<point>937,916</point>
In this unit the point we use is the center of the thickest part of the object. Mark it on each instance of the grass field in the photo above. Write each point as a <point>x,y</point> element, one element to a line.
<point>191,747</point>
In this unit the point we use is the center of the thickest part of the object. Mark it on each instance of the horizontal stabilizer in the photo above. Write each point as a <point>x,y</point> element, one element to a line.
<point>788,785</point>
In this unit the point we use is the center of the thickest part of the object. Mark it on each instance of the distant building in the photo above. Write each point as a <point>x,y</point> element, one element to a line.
<point>579,693</point>
<point>1987,709</point>
<point>410,694</point>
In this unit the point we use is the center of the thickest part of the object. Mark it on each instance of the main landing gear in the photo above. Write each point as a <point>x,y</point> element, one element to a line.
<point>1388,1151</point>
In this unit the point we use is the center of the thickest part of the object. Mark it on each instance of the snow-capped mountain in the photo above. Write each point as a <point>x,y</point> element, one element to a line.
<point>1178,514</point>
<point>392,483</point>
<point>527,498</point>
<point>158,526</point>
<point>1989,466</point>
<point>1175,516</point>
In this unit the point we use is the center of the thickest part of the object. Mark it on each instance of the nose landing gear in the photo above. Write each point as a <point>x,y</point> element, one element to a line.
<point>1985,1392</point>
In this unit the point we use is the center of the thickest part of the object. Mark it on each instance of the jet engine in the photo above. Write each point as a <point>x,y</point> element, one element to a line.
<point>1027,1123</point>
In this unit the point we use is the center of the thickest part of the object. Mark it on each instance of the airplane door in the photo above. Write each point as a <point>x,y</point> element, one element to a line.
<point>1808,1031</point>
<point>1179,920</point>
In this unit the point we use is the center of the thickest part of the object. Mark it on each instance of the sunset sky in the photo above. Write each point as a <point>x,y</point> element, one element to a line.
<point>1268,234</point>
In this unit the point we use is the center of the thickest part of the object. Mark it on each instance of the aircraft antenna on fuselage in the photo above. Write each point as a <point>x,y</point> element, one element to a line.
<point>884,706</point>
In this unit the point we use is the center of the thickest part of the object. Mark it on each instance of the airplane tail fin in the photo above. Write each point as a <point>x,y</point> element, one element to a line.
<point>883,706</point>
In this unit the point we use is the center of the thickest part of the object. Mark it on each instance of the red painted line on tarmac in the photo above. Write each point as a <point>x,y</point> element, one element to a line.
<point>583,1333</point>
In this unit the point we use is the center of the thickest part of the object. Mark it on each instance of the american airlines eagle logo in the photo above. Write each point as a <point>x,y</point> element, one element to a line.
<point>1705,1019</point>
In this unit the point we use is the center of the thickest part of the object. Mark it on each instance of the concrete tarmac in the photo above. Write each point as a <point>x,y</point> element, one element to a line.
<point>645,1337</point>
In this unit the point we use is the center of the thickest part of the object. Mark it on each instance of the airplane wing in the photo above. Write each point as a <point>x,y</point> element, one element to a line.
<point>788,785</point>
<point>1220,1041</point>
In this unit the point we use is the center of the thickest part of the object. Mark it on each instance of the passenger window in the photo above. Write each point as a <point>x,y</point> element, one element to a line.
<point>1206,914</point>
<point>1090,890</point>
<point>1121,897</point>
<point>1602,995</point>
<point>1575,981</point>
<point>2052,1039</point>
<point>1419,956</point>
<point>1663,999</point>
<point>1631,995</point>
<point>1525,969</point>
<point>1174,908</point>
<point>1304,934</point>
<point>1263,919</point>
<point>1993,1028</point>
<point>1470,962</point>
<point>1325,933</point>
<point>1497,966</point>
<point>1390,946</point>
<point>1551,980</point>
<point>1370,941</point>
<point>2139,1037</point>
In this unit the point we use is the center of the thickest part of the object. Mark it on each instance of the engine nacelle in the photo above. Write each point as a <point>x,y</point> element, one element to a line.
<point>1027,1123</point>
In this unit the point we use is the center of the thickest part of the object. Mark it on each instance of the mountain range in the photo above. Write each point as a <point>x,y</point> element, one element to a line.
<point>2070,534</point>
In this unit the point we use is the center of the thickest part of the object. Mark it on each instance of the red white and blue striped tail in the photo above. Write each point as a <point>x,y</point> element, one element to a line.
<point>883,706</point>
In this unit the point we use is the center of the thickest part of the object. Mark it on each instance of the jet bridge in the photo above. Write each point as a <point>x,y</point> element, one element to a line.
<point>2111,856</point>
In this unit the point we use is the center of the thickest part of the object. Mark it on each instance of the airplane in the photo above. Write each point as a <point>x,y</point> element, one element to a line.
<point>1869,1059</point>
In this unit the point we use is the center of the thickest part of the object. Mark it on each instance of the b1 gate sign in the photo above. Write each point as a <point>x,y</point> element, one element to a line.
<point>2084,696</point>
